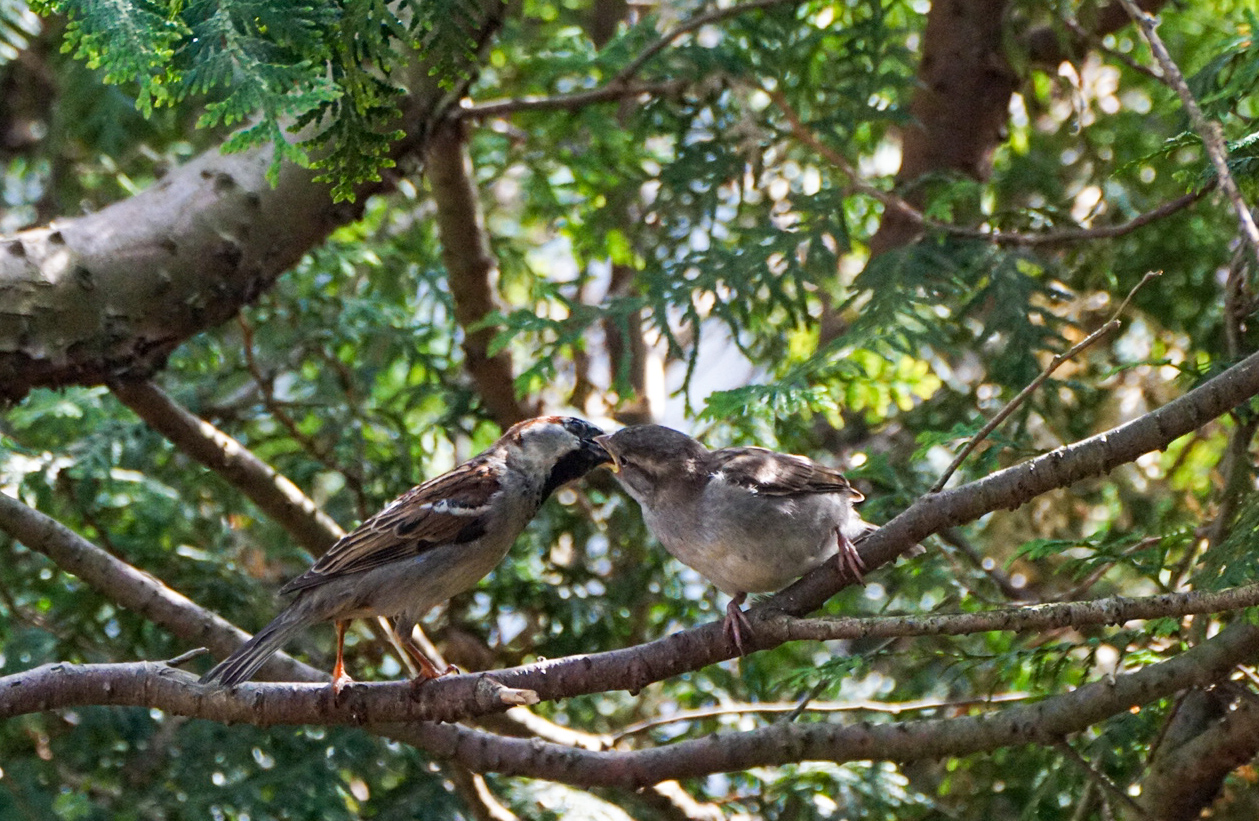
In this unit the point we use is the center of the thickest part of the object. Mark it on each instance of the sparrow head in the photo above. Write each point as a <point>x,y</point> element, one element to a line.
<point>558,449</point>
<point>646,457</point>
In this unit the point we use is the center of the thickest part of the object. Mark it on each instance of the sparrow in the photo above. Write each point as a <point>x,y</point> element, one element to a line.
<point>434,541</point>
<point>749,520</point>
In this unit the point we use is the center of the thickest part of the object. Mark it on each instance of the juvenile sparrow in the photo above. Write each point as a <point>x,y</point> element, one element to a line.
<point>749,520</point>
<point>432,542</point>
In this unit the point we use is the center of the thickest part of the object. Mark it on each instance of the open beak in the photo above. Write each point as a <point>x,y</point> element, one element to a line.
<point>605,442</point>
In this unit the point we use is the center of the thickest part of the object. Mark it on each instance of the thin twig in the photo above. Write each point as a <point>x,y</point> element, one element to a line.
<point>698,21</point>
<point>999,577</point>
<point>320,453</point>
<point>1054,364</point>
<point>895,708</point>
<point>805,700</point>
<point>1099,42</point>
<point>1110,610</point>
<point>1209,130</point>
<point>1086,584</point>
<point>567,102</point>
<point>476,794</point>
<point>184,658</point>
<point>997,237</point>
<point>1099,778</point>
<point>806,135</point>
<point>1072,235</point>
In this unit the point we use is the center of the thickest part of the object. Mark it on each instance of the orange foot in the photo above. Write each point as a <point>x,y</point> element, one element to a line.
<point>339,681</point>
<point>424,677</point>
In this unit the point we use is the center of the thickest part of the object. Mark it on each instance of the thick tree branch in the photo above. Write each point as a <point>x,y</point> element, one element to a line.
<point>456,697</point>
<point>271,491</point>
<point>634,668</point>
<point>91,298</point>
<point>959,109</point>
<point>1043,722</point>
<point>472,271</point>
<point>115,291</point>
<point>1015,485</point>
<point>1181,783</point>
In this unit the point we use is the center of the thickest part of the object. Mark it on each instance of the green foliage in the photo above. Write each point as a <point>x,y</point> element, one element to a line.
<point>319,80</point>
<point>698,220</point>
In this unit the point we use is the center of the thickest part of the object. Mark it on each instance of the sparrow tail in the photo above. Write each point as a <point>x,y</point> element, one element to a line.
<point>242,664</point>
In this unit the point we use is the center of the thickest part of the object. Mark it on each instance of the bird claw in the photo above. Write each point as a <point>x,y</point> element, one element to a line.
<point>736,622</point>
<point>849,560</point>
<point>339,683</point>
<point>424,677</point>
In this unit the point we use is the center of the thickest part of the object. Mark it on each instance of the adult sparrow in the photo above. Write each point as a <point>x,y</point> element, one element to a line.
<point>750,520</point>
<point>432,542</point>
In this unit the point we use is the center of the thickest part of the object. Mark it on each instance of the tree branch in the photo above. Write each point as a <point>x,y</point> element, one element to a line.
<point>1209,130</point>
<point>95,297</point>
<point>686,27</point>
<point>960,107</point>
<point>472,271</point>
<point>634,668</point>
<point>273,493</point>
<point>1043,722</point>
<point>132,588</point>
<point>1114,610</point>
<point>1047,46</point>
<point>569,102</point>
<point>1015,485</point>
<point>1181,783</point>
<point>1058,360</point>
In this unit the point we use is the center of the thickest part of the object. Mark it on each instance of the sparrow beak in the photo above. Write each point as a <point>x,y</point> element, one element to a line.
<point>605,442</point>
<point>596,449</point>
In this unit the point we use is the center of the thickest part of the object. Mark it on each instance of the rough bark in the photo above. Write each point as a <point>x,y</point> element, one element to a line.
<point>87,299</point>
<point>1187,774</point>
<point>384,708</point>
<point>112,293</point>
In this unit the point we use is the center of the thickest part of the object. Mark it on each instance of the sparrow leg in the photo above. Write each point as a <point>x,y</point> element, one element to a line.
<point>339,677</point>
<point>849,560</point>
<point>736,622</point>
<point>428,670</point>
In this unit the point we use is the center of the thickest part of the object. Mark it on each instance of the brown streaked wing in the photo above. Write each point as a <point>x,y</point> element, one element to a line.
<point>770,473</point>
<point>445,510</point>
